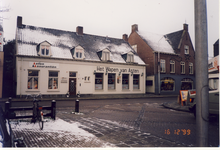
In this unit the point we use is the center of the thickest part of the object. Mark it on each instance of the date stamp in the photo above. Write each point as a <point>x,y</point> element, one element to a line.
<point>178,132</point>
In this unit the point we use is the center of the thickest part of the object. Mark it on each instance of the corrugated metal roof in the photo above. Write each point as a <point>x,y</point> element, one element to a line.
<point>62,42</point>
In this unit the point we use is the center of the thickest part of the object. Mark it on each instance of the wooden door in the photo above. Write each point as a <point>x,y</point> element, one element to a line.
<point>72,86</point>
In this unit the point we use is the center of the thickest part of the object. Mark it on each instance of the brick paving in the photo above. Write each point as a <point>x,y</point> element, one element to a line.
<point>108,125</point>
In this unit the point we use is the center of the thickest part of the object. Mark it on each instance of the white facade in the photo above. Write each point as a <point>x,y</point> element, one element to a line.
<point>85,77</point>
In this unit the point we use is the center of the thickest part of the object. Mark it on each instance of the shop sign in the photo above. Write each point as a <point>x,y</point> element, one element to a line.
<point>64,80</point>
<point>43,65</point>
<point>213,64</point>
<point>114,70</point>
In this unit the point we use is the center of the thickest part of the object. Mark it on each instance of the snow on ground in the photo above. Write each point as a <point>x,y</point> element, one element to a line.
<point>61,129</point>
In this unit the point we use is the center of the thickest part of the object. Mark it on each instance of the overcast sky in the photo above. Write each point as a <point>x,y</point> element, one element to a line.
<point>111,18</point>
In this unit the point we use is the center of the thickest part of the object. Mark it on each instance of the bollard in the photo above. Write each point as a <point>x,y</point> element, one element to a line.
<point>7,107</point>
<point>4,131</point>
<point>77,106</point>
<point>53,109</point>
<point>9,100</point>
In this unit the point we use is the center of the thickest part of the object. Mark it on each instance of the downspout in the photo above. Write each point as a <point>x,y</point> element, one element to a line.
<point>20,74</point>
<point>158,72</point>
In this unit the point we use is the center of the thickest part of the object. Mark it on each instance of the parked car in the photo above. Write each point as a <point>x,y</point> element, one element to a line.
<point>213,102</point>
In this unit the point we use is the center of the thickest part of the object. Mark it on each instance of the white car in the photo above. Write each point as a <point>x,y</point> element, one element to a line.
<point>213,102</point>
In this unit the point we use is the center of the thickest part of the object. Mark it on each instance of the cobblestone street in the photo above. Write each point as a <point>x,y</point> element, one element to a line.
<point>114,124</point>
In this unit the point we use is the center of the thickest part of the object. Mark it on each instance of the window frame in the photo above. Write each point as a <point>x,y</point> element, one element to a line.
<point>53,87</point>
<point>172,66</point>
<point>137,79</point>
<point>190,68</point>
<point>105,55</point>
<point>96,78</point>
<point>31,77</point>
<point>47,49</point>
<point>162,65</point>
<point>186,49</point>
<point>182,67</point>
<point>113,81</point>
<point>124,81</point>
<point>130,58</point>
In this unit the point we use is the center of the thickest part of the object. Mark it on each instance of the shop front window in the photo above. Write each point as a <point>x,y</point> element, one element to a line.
<point>32,79</point>
<point>111,81</point>
<point>53,80</point>
<point>186,84</point>
<point>167,84</point>
<point>136,81</point>
<point>125,81</point>
<point>99,81</point>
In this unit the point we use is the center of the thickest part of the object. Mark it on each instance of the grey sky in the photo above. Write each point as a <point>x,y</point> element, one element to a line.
<point>111,18</point>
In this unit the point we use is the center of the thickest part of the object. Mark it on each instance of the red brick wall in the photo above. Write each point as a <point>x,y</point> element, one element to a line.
<point>144,51</point>
<point>147,55</point>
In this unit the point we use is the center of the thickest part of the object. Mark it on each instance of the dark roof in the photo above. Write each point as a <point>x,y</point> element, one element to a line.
<point>1,28</point>
<point>217,42</point>
<point>63,41</point>
<point>174,38</point>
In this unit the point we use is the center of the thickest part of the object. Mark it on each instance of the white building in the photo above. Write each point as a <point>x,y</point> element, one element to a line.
<point>56,63</point>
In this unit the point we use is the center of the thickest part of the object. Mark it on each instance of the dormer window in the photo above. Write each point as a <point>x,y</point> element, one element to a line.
<point>78,52</point>
<point>44,49</point>
<point>104,55</point>
<point>128,57</point>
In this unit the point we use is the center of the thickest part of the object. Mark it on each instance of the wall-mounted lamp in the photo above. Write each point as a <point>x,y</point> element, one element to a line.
<point>142,74</point>
<point>131,73</point>
<point>94,72</point>
<point>119,73</point>
<point>106,72</point>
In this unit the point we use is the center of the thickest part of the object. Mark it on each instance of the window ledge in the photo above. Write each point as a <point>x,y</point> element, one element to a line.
<point>53,90</point>
<point>33,90</point>
<point>125,90</point>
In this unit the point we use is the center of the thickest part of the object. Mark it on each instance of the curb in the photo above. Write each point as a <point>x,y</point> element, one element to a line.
<point>175,106</point>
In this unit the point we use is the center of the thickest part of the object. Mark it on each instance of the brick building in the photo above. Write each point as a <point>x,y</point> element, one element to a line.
<point>170,59</point>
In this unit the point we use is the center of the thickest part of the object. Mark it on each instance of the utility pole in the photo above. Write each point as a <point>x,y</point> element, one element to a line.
<point>201,60</point>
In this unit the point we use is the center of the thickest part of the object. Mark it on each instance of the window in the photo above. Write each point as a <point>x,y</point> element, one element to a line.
<point>182,64</point>
<point>186,49</point>
<point>111,81</point>
<point>32,79</point>
<point>72,74</point>
<point>172,66</point>
<point>149,83</point>
<point>213,83</point>
<point>190,68</point>
<point>45,50</point>
<point>134,47</point>
<point>186,84</point>
<point>53,80</point>
<point>162,65</point>
<point>136,81</point>
<point>167,84</point>
<point>99,81</point>
<point>105,56</point>
<point>125,81</point>
<point>130,58</point>
<point>79,53</point>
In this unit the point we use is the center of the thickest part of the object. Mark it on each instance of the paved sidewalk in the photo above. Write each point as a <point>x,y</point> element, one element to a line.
<point>175,106</point>
<point>95,97</point>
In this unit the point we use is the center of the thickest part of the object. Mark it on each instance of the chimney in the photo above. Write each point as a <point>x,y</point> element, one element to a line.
<point>185,27</point>
<point>79,30</point>
<point>125,37</point>
<point>134,28</point>
<point>19,21</point>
